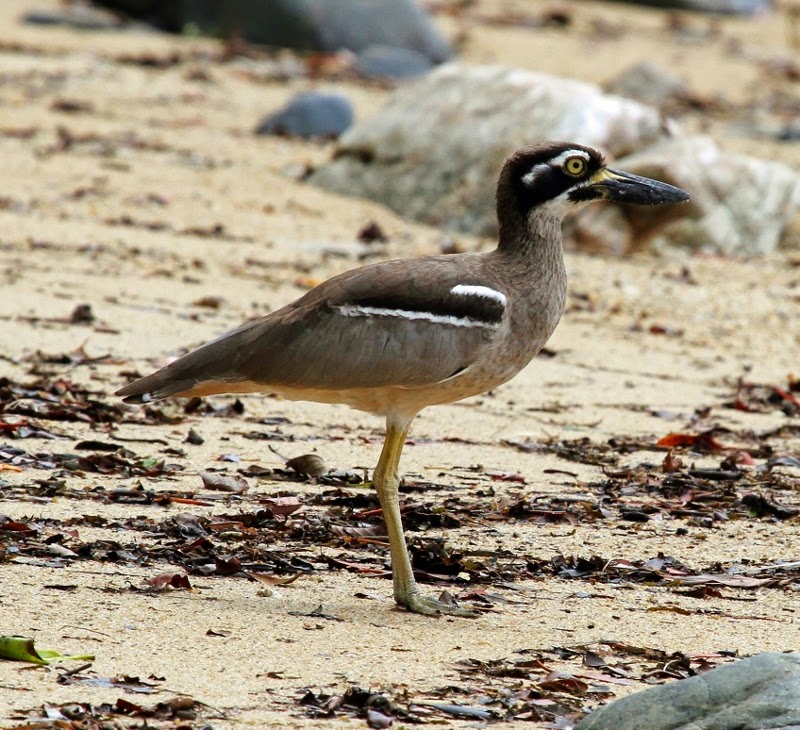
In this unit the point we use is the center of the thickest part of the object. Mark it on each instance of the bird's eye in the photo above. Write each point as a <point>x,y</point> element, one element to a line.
<point>575,166</point>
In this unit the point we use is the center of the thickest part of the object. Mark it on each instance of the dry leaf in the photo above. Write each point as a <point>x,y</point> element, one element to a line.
<point>273,580</point>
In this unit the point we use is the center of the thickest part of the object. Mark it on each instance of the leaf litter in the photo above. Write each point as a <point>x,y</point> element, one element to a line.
<point>179,711</point>
<point>273,540</point>
<point>557,686</point>
<point>651,490</point>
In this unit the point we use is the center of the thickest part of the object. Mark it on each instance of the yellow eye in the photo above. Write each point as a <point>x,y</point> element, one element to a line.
<point>575,166</point>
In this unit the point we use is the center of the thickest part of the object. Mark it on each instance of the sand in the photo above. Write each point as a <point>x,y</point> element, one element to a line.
<point>116,222</point>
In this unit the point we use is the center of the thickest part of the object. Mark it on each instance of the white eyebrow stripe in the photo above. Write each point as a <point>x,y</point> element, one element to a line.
<point>564,156</point>
<point>354,310</point>
<point>476,290</point>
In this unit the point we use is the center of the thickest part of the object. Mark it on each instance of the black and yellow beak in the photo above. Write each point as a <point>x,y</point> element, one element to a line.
<point>623,187</point>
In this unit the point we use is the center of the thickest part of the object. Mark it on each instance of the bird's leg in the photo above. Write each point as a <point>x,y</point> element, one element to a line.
<point>386,481</point>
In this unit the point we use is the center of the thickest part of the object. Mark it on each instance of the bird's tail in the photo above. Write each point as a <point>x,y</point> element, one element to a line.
<point>208,370</point>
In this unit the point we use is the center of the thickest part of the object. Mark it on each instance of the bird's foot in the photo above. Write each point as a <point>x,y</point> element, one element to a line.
<point>427,606</point>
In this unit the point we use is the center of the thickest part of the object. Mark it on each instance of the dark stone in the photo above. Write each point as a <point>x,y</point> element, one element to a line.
<point>75,16</point>
<point>309,25</point>
<point>164,14</point>
<point>790,132</point>
<point>310,114</point>
<point>758,693</point>
<point>723,7</point>
<point>391,63</point>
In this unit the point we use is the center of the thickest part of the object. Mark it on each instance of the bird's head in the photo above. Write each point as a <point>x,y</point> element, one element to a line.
<point>557,178</point>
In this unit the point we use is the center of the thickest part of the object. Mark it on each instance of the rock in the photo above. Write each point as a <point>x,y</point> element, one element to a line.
<point>789,132</point>
<point>648,83</point>
<point>391,63</point>
<point>81,17</point>
<point>760,692</point>
<point>740,205</point>
<point>310,114</point>
<point>309,25</point>
<point>433,153</point>
<point>724,7</point>
<point>163,14</point>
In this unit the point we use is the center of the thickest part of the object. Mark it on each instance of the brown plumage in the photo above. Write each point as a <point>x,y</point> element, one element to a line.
<point>395,337</point>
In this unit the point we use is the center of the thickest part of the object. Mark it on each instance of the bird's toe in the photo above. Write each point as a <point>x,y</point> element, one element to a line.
<point>427,606</point>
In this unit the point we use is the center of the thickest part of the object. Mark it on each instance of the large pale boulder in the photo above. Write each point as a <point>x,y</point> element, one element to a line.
<point>758,693</point>
<point>434,152</point>
<point>740,205</point>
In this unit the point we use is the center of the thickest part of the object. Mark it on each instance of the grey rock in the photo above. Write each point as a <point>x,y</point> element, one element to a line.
<point>649,83</point>
<point>758,693</point>
<point>310,114</point>
<point>723,7</point>
<point>391,63</point>
<point>434,151</point>
<point>82,17</point>
<point>790,131</point>
<point>163,14</point>
<point>740,205</point>
<point>309,25</point>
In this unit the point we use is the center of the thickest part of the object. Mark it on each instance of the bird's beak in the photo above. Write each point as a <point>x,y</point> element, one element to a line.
<point>622,187</point>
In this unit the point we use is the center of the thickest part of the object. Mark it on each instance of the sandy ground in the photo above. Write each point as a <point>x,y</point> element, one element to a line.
<point>117,222</point>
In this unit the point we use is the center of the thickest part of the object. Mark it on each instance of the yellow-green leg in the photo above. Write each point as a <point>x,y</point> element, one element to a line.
<point>386,481</point>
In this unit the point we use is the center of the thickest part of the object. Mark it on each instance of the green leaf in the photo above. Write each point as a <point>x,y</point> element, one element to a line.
<point>21,649</point>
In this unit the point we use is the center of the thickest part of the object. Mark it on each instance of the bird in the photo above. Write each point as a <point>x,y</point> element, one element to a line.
<point>394,337</point>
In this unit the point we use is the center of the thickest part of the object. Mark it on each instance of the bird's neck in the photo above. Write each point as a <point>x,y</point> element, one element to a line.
<point>533,240</point>
<point>529,256</point>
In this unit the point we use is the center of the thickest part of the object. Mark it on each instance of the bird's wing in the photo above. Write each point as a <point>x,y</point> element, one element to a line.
<point>399,323</point>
